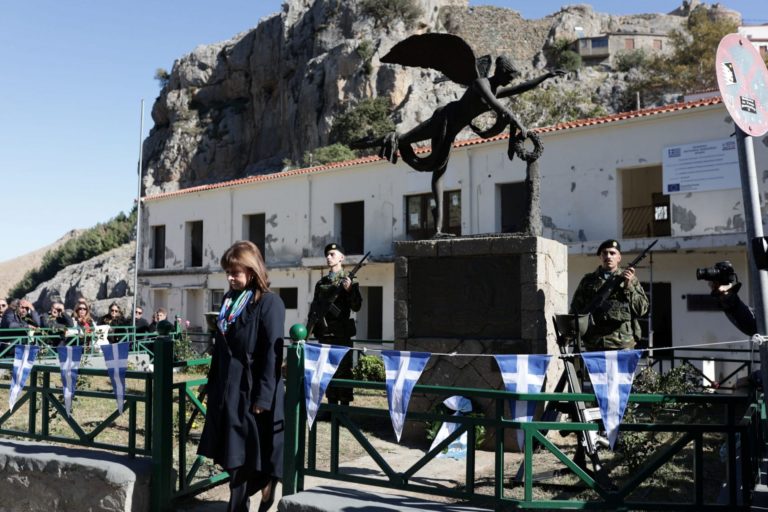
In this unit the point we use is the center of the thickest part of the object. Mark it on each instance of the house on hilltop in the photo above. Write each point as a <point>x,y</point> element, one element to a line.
<point>605,48</point>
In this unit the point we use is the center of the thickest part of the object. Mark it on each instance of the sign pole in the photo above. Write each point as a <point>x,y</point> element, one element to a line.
<point>758,280</point>
<point>742,79</point>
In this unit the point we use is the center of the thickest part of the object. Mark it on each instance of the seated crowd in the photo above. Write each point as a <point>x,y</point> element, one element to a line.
<point>18,317</point>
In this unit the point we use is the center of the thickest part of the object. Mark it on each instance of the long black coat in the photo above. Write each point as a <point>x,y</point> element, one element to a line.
<point>245,371</point>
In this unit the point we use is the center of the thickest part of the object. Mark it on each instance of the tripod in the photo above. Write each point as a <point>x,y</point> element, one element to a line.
<point>569,330</point>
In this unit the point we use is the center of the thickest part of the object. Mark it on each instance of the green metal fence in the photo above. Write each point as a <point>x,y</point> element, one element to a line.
<point>171,409</point>
<point>734,418</point>
<point>157,419</point>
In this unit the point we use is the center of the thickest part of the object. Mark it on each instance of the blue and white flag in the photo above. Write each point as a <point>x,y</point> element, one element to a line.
<point>69,362</point>
<point>612,373</point>
<point>523,373</point>
<point>320,364</point>
<point>116,359</point>
<point>23,360</point>
<point>458,448</point>
<point>403,369</point>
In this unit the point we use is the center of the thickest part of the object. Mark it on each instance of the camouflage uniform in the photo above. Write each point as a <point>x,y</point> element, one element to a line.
<point>339,329</point>
<point>615,324</point>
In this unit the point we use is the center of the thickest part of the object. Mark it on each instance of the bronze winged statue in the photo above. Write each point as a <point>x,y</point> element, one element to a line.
<point>453,57</point>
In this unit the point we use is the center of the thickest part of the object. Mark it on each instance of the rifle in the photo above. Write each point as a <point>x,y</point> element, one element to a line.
<point>318,314</point>
<point>612,283</point>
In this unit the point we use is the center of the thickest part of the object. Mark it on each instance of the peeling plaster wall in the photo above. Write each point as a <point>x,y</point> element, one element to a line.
<point>580,183</point>
<point>679,269</point>
<point>706,213</point>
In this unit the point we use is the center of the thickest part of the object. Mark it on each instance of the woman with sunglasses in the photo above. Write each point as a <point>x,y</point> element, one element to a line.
<point>244,426</point>
<point>114,318</point>
<point>82,317</point>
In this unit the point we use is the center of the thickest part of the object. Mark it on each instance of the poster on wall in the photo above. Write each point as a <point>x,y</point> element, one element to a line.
<point>711,165</point>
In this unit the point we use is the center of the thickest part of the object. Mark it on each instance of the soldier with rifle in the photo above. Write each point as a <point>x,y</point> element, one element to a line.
<point>614,299</point>
<point>336,296</point>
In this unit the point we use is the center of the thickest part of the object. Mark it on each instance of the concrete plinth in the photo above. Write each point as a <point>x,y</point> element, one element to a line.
<point>46,478</point>
<point>479,295</point>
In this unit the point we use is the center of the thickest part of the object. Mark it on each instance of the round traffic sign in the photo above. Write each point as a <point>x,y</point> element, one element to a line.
<point>743,82</point>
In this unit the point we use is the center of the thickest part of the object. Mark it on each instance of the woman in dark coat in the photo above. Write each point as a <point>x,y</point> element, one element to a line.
<point>244,423</point>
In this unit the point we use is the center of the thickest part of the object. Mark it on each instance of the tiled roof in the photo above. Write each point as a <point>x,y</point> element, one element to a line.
<point>580,123</point>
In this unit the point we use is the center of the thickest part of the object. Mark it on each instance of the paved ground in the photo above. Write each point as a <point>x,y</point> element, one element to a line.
<point>439,472</point>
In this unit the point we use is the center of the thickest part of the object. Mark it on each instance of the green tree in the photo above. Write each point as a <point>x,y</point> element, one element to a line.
<point>328,154</point>
<point>545,107</point>
<point>690,67</point>
<point>162,76</point>
<point>370,116</point>
<point>366,50</point>
<point>386,12</point>
<point>563,56</point>
<point>631,59</point>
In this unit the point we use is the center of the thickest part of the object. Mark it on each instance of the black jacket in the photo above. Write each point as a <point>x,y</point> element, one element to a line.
<point>246,371</point>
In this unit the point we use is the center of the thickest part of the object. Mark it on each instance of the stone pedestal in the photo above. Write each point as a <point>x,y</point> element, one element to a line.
<point>490,294</point>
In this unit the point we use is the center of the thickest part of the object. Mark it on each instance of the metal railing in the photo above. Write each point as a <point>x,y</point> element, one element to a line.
<point>49,339</point>
<point>742,361</point>
<point>736,419</point>
<point>146,428</point>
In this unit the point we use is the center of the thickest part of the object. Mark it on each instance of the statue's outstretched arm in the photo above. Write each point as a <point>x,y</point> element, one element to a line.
<point>505,92</point>
<point>483,86</point>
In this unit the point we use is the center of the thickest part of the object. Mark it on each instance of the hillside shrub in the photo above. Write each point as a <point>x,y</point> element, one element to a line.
<point>366,50</point>
<point>563,56</point>
<point>632,59</point>
<point>369,369</point>
<point>328,154</point>
<point>637,447</point>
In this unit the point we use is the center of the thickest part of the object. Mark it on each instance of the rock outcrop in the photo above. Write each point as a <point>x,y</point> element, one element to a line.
<point>100,280</point>
<point>247,105</point>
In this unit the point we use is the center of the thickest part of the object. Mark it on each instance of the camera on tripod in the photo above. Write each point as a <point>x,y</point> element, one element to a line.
<point>721,273</point>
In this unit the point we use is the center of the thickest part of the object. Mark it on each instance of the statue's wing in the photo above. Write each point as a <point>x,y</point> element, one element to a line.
<point>447,53</point>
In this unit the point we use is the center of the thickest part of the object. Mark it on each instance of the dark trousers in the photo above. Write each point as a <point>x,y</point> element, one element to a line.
<point>243,484</point>
<point>344,371</point>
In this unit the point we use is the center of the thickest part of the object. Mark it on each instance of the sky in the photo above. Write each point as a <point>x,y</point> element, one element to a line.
<point>73,78</point>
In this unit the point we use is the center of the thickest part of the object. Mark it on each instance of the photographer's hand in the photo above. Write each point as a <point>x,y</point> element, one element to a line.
<point>719,288</point>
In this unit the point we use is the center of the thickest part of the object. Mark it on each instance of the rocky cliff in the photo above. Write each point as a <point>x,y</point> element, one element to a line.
<point>100,280</point>
<point>247,105</point>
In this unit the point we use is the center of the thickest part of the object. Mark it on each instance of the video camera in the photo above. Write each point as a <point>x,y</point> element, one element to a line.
<point>722,273</point>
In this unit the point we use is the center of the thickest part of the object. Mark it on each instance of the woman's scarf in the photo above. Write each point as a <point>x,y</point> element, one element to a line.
<point>231,310</point>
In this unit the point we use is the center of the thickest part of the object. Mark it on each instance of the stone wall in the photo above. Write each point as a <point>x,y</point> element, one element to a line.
<point>36,477</point>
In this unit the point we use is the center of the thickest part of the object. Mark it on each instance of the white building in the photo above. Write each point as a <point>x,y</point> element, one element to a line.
<point>758,36</point>
<point>601,178</point>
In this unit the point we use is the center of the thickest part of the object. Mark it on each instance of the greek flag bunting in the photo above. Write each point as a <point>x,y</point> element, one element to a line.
<point>69,362</point>
<point>320,364</point>
<point>403,369</point>
<point>116,359</point>
<point>612,373</point>
<point>458,448</point>
<point>23,360</point>
<point>523,373</point>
